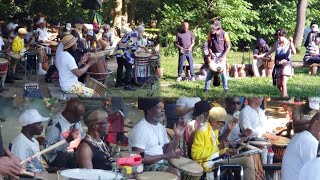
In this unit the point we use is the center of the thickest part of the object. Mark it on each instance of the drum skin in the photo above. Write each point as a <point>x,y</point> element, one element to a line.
<point>156,175</point>
<point>189,169</point>
<point>92,174</point>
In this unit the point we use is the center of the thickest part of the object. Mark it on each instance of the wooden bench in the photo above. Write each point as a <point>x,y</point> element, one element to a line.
<point>313,67</point>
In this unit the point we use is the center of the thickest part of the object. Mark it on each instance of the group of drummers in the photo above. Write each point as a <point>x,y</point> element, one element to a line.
<point>213,135</point>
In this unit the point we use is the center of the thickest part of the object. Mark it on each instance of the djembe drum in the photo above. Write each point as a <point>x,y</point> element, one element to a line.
<point>93,174</point>
<point>279,146</point>
<point>156,175</point>
<point>141,68</point>
<point>268,63</point>
<point>99,69</point>
<point>190,170</point>
<point>4,65</point>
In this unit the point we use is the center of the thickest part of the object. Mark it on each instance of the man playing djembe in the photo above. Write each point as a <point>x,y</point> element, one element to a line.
<point>207,147</point>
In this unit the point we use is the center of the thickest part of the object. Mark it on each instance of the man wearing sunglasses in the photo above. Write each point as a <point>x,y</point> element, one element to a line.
<point>93,153</point>
<point>66,123</point>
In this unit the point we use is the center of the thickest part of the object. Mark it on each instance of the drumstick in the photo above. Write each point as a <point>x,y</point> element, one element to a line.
<point>50,148</point>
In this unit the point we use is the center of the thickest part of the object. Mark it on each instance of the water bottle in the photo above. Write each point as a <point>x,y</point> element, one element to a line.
<point>264,155</point>
<point>270,156</point>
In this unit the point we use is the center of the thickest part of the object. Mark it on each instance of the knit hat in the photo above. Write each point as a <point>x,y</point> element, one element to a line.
<point>201,107</point>
<point>147,103</point>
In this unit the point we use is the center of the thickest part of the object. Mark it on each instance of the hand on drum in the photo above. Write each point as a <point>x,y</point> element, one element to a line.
<point>283,62</point>
<point>247,132</point>
<point>10,165</point>
<point>179,127</point>
<point>85,58</point>
<point>92,61</point>
<point>232,124</point>
<point>170,154</point>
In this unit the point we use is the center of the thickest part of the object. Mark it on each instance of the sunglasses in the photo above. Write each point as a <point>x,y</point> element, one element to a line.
<point>236,102</point>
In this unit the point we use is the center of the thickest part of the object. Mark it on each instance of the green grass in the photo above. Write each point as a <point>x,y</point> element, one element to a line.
<point>301,84</point>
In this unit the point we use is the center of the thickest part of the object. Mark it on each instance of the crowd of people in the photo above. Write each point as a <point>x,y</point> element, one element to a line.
<point>211,131</point>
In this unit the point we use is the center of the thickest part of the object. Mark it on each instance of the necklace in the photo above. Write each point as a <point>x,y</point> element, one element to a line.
<point>157,134</point>
<point>101,145</point>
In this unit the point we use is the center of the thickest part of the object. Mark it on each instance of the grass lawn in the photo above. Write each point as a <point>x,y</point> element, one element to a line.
<point>301,84</point>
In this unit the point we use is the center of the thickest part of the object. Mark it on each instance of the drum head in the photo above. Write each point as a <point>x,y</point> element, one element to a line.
<point>143,55</point>
<point>155,58</point>
<point>93,174</point>
<point>15,55</point>
<point>281,141</point>
<point>156,175</point>
<point>3,61</point>
<point>186,164</point>
<point>216,67</point>
<point>260,143</point>
<point>247,153</point>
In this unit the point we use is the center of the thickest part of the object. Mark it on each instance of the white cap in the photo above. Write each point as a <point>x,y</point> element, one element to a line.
<point>90,33</point>
<point>41,20</point>
<point>314,102</point>
<point>140,28</point>
<point>68,26</point>
<point>31,116</point>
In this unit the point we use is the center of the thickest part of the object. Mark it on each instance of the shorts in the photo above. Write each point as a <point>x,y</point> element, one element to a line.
<point>81,90</point>
<point>157,166</point>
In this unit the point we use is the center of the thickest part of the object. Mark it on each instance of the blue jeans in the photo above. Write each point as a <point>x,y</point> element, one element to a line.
<point>224,78</point>
<point>189,58</point>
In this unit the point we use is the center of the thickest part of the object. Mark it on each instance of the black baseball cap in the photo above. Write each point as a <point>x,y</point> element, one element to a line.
<point>201,107</point>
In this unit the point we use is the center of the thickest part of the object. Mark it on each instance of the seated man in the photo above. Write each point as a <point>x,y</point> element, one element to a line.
<point>253,117</point>
<point>65,123</point>
<point>69,71</point>
<point>150,137</point>
<point>261,48</point>
<point>25,145</point>
<point>207,147</point>
<point>233,108</point>
<point>93,153</point>
<point>302,148</point>
<point>18,46</point>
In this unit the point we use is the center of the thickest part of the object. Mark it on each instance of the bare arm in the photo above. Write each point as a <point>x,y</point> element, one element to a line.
<point>84,156</point>
<point>227,40</point>
<point>182,110</point>
<point>78,72</point>
<point>148,159</point>
<point>293,49</point>
<point>267,53</point>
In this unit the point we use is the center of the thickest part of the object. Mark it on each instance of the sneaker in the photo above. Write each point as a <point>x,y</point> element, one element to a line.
<point>193,79</point>
<point>179,79</point>
<point>41,72</point>
<point>129,88</point>
<point>226,91</point>
<point>9,80</point>
<point>118,84</point>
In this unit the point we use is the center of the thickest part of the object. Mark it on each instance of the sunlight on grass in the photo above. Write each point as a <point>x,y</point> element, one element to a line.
<point>301,84</point>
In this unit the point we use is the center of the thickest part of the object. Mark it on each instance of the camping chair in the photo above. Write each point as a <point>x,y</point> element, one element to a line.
<point>97,86</point>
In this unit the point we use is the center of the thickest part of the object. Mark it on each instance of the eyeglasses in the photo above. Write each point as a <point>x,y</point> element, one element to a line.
<point>235,102</point>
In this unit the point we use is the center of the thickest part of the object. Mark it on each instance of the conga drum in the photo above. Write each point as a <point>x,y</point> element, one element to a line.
<point>216,66</point>
<point>141,68</point>
<point>278,147</point>
<point>98,70</point>
<point>92,174</point>
<point>4,65</point>
<point>156,175</point>
<point>53,46</point>
<point>268,64</point>
<point>188,168</point>
<point>253,153</point>
<point>260,144</point>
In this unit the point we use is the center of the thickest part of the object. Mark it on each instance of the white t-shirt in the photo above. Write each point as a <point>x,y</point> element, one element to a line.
<point>254,120</point>
<point>43,34</point>
<point>301,149</point>
<point>65,63</point>
<point>1,43</point>
<point>147,136</point>
<point>23,148</point>
<point>188,102</point>
<point>310,170</point>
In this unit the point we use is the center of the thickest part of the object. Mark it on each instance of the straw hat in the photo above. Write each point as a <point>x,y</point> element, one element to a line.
<point>219,114</point>
<point>22,31</point>
<point>68,41</point>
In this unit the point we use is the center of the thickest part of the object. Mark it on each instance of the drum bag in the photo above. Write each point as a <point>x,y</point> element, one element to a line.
<point>216,79</point>
<point>32,93</point>
<point>91,4</point>
<point>49,74</point>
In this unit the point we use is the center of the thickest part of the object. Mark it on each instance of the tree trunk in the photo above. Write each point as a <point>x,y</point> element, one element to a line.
<point>133,6</point>
<point>300,23</point>
<point>117,14</point>
<point>125,10</point>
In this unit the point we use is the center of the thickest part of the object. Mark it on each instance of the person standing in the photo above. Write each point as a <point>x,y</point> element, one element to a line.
<point>219,46</point>
<point>185,42</point>
<point>124,52</point>
<point>282,69</point>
